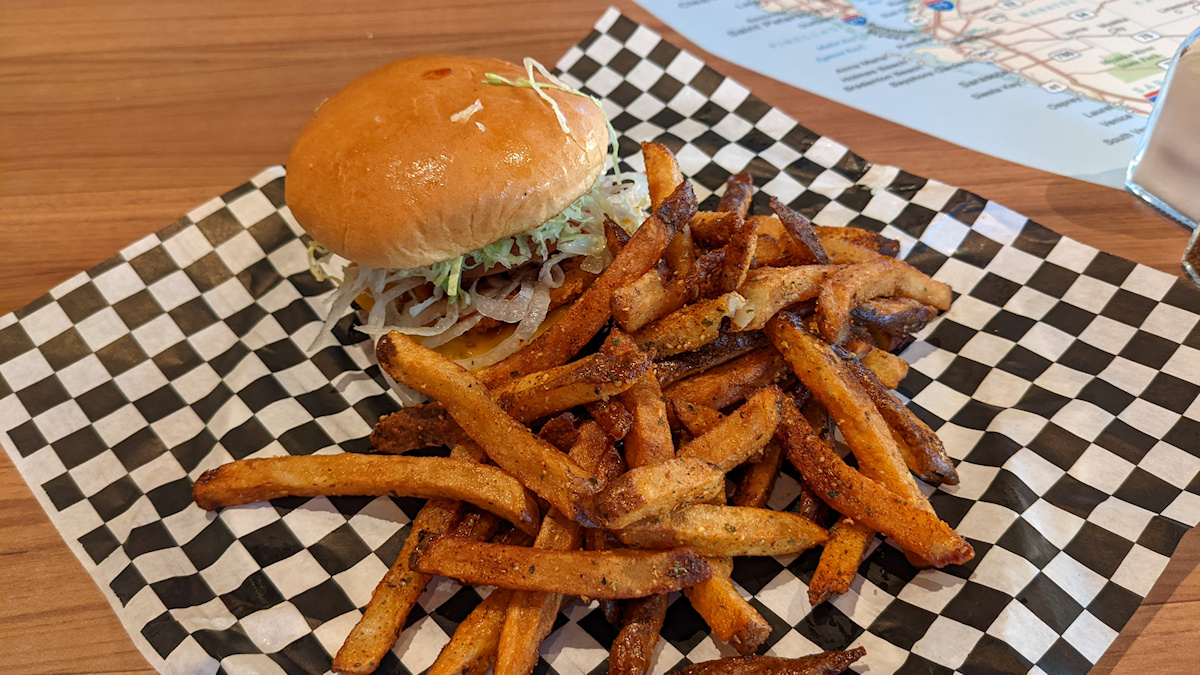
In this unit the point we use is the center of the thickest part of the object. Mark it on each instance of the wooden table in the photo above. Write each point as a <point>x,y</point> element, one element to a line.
<point>118,117</point>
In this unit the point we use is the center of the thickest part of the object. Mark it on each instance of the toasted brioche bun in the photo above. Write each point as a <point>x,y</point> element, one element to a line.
<point>382,176</point>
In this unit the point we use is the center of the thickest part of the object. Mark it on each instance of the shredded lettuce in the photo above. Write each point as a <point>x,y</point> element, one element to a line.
<point>577,231</point>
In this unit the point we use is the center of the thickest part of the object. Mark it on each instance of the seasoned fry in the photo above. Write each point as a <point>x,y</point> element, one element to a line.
<point>872,241</point>
<point>843,252</point>
<point>592,378</point>
<point>730,383</point>
<point>662,172</point>
<point>739,254</point>
<point>472,649</point>
<point>801,231</point>
<point>561,431</point>
<point>727,346</point>
<point>536,463</point>
<point>530,615</point>
<point>680,254</point>
<point>889,368</point>
<point>395,595</point>
<point>649,438</point>
<point>652,296</point>
<point>596,452</point>
<point>677,209</point>
<point>614,417</point>
<point>739,188</point>
<point>853,285</point>
<point>731,619</point>
<point>754,489</point>
<point>770,289</point>
<point>604,574</point>
<point>633,648</point>
<point>826,663</point>
<point>856,496</point>
<point>689,328</point>
<point>826,376</point>
<point>838,565</point>
<point>713,228</point>
<point>741,436</point>
<point>898,316</point>
<point>415,427</point>
<point>615,236</point>
<point>654,489</point>
<point>922,449</point>
<point>587,315</point>
<point>254,480</point>
<point>725,531</point>
<point>696,418</point>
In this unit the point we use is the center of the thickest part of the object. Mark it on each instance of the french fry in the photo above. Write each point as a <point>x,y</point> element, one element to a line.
<point>615,236</point>
<point>889,368</point>
<point>689,328</point>
<point>730,383</point>
<point>653,296</point>
<point>754,489</point>
<point>826,663</point>
<point>662,172</point>
<point>561,431</point>
<point>604,574</point>
<point>739,254</point>
<point>853,285</point>
<point>591,378</point>
<point>922,449</point>
<point>680,254</point>
<point>415,427</point>
<point>739,188</point>
<point>825,374</point>
<point>254,480</point>
<point>726,347</point>
<point>769,289</point>
<point>731,619</point>
<point>614,417</point>
<point>739,437</point>
<point>633,648</point>
<point>654,489</point>
<point>395,595</point>
<point>801,231</point>
<point>588,314</point>
<point>714,228</point>
<point>597,453</point>
<point>473,647</point>
<point>838,565</point>
<point>898,316</point>
<point>677,209</point>
<point>856,496</point>
<point>649,439</point>
<point>537,464</point>
<point>530,614</point>
<point>725,531</point>
<point>843,252</point>
<point>867,239</point>
<point>696,418</point>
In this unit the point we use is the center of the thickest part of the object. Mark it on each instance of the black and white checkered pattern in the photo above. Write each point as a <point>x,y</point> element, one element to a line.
<point>1063,380</point>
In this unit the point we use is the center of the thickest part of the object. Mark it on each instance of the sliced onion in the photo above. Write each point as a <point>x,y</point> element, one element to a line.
<point>454,331</point>
<point>500,307</point>
<point>534,316</point>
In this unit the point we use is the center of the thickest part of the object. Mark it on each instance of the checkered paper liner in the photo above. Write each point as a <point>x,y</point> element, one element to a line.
<point>1062,380</point>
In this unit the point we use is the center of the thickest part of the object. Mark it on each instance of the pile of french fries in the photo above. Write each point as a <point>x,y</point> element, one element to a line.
<point>631,449</point>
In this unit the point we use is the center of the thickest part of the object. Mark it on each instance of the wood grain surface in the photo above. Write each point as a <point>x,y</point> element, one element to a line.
<point>117,117</point>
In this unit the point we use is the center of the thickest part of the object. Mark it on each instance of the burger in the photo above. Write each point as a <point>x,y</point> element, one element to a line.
<point>459,200</point>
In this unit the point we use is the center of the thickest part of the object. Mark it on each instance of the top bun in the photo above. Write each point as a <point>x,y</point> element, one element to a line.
<point>381,175</point>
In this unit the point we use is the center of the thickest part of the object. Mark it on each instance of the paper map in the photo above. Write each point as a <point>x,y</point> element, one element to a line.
<point>1065,86</point>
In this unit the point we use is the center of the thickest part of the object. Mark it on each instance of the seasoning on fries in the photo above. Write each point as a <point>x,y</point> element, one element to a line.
<point>736,321</point>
